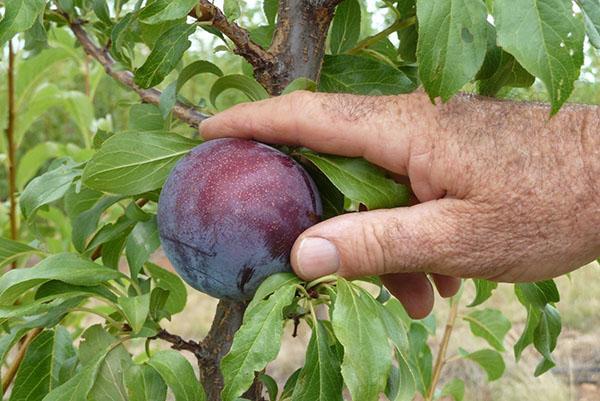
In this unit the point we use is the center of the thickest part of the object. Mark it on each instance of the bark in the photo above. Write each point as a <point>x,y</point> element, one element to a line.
<point>299,42</point>
<point>227,320</point>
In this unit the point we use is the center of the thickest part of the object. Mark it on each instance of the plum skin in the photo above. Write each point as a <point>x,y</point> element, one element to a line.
<point>230,212</point>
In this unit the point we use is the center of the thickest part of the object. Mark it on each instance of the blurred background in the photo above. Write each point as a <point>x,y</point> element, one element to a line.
<point>64,99</point>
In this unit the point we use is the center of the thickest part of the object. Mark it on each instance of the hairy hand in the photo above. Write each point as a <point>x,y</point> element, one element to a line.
<point>505,193</point>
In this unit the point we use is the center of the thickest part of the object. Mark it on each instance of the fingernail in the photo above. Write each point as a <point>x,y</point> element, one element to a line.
<point>317,257</point>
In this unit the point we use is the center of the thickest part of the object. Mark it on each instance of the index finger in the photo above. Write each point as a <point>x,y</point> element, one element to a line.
<point>341,124</point>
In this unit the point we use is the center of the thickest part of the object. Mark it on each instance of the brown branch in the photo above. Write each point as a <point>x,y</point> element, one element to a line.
<point>14,366</point>
<point>441,356</point>
<point>258,57</point>
<point>181,111</point>
<point>299,42</point>
<point>228,319</point>
<point>180,344</point>
<point>11,153</point>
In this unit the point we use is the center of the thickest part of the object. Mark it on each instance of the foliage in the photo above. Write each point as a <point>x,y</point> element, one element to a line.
<point>91,160</point>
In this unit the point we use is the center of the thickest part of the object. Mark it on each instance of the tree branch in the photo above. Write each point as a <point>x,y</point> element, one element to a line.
<point>180,344</point>
<point>441,356</point>
<point>11,151</point>
<point>245,47</point>
<point>181,111</point>
<point>299,42</point>
<point>9,376</point>
<point>228,319</point>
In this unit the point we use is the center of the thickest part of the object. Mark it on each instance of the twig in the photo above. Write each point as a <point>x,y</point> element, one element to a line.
<point>180,344</point>
<point>12,369</point>
<point>245,47</point>
<point>10,137</point>
<point>152,96</point>
<point>371,40</point>
<point>440,360</point>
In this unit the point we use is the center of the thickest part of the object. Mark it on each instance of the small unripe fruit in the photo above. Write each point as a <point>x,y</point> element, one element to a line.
<point>230,212</point>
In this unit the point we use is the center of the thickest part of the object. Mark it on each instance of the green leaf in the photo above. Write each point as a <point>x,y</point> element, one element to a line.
<point>533,319</point>
<point>49,361</point>
<point>48,187</point>
<point>168,51</point>
<point>81,384</point>
<point>270,9</point>
<point>300,84</point>
<point>172,283</point>
<point>36,157</point>
<point>12,250</point>
<point>262,35</point>
<point>136,310</point>
<point>490,360</point>
<point>166,10</point>
<point>394,327</point>
<point>483,290</point>
<point>360,181</point>
<point>320,379</point>
<point>508,73</point>
<point>143,383</point>
<point>545,336</point>
<point>145,117</point>
<point>112,232</point>
<point>141,243</point>
<point>455,388</point>
<point>538,294</point>
<point>108,383</point>
<point>367,358</point>
<point>66,267</point>
<point>168,98</point>
<point>19,16</point>
<point>546,38</point>
<point>179,375</point>
<point>401,383</point>
<point>363,76</point>
<point>36,38</point>
<point>271,386</point>
<point>55,288</point>
<point>489,324</point>
<point>345,28</point>
<point>256,343</point>
<point>591,17</point>
<point>452,44</point>
<point>272,284</point>
<point>409,38</point>
<point>131,163</point>
<point>244,84</point>
<point>84,223</point>
<point>398,311</point>
<point>80,199</point>
<point>420,359</point>
<point>231,9</point>
<point>101,10</point>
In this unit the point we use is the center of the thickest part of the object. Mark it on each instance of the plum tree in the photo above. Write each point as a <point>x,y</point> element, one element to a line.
<point>229,213</point>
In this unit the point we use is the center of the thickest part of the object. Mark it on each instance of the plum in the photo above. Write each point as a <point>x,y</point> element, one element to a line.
<point>230,212</point>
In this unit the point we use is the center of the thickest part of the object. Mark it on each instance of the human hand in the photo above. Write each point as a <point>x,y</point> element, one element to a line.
<point>505,193</point>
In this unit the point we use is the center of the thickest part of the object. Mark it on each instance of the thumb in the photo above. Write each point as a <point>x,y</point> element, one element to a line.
<point>421,238</point>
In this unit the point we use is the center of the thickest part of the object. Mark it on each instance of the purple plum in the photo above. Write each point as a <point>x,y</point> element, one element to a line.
<point>230,212</point>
